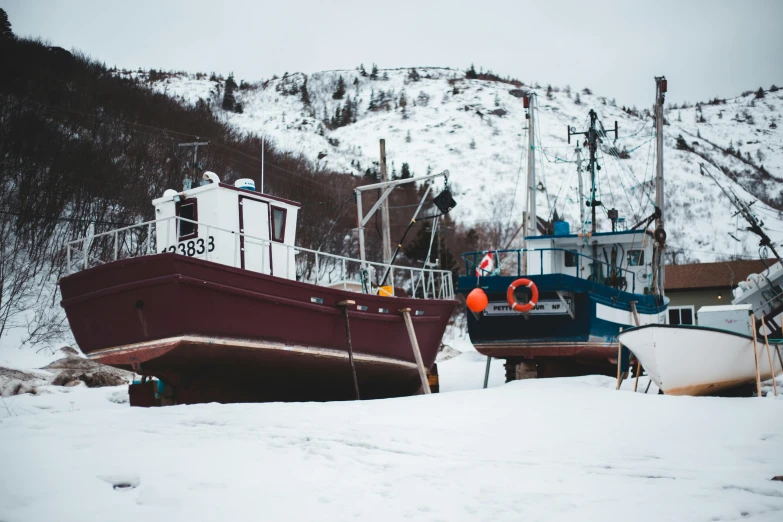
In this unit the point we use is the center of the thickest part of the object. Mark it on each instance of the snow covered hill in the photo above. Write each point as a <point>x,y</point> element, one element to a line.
<point>435,119</point>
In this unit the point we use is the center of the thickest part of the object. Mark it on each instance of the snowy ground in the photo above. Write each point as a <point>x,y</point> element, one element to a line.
<point>558,449</point>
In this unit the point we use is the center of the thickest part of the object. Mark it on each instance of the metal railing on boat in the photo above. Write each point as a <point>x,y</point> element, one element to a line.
<point>472,260</point>
<point>311,266</point>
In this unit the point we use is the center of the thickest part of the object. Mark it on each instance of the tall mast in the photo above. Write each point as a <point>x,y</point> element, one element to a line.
<point>531,227</point>
<point>593,137</point>
<point>660,234</point>
<point>592,140</point>
<point>581,187</point>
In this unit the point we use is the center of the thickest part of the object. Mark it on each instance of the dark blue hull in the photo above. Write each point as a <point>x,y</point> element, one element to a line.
<point>589,337</point>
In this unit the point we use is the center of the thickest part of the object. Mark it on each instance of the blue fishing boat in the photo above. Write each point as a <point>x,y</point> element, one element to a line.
<point>556,306</point>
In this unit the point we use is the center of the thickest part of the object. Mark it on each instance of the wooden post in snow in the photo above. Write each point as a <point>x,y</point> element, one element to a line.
<point>619,361</point>
<point>638,363</point>
<point>638,371</point>
<point>406,315</point>
<point>769,357</point>
<point>344,305</point>
<point>755,354</point>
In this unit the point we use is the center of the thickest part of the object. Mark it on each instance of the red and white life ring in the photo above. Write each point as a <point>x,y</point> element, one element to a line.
<point>487,265</point>
<point>512,300</point>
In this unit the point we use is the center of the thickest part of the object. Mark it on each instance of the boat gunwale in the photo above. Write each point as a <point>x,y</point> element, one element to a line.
<point>694,327</point>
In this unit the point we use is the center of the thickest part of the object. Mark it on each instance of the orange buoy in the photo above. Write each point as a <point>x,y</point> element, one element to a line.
<point>477,300</point>
<point>523,308</point>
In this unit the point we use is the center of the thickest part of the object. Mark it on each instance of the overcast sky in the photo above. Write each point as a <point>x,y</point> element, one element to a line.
<point>705,48</point>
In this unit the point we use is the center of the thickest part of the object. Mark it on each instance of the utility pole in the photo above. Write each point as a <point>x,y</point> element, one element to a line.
<point>385,224</point>
<point>581,187</point>
<point>263,123</point>
<point>660,234</point>
<point>196,144</point>
<point>385,232</point>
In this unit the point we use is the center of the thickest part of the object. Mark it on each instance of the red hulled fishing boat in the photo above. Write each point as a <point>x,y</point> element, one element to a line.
<point>214,301</point>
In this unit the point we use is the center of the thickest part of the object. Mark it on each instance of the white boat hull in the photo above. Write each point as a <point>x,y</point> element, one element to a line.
<point>692,360</point>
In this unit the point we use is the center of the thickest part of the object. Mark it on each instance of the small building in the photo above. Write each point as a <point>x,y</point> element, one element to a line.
<point>689,287</point>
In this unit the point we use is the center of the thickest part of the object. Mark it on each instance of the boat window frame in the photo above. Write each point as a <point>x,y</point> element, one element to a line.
<point>572,255</point>
<point>272,235</point>
<point>692,309</point>
<point>178,206</point>
<point>640,259</point>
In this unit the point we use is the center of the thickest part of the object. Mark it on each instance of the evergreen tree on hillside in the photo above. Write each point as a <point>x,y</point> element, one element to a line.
<point>374,73</point>
<point>760,93</point>
<point>305,93</point>
<point>229,102</point>
<point>340,92</point>
<point>362,71</point>
<point>5,25</point>
<point>405,171</point>
<point>471,73</point>
<point>413,75</point>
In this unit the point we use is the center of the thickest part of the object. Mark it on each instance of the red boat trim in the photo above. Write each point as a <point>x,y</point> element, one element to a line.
<point>243,343</point>
<point>177,278</point>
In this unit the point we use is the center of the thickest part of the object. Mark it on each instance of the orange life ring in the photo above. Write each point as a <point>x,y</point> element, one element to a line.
<point>513,302</point>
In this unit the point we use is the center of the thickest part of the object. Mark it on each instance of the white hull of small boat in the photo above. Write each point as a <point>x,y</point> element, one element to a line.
<point>692,360</point>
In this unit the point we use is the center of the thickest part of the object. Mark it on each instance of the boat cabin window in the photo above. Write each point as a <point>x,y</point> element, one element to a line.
<point>278,224</point>
<point>681,315</point>
<point>571,258</point>
<point>636,258</point>
<point>187,210</point>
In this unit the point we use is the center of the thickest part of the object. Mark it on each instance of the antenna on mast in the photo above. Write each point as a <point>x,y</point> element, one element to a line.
<point>593,136</point>
<point>196,144</point>
<point>743,209</point>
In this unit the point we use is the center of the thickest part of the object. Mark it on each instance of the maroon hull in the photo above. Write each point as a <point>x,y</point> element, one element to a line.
<point>202,326</point>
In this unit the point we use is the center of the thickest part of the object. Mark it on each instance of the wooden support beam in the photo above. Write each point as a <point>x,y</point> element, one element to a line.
<point>619,362</point>
<point>769,357</point>
<point>638,372</point>
<point>635,313</point>
<point>755,354</point>
<point>406,315</point>
<point>344,305</point>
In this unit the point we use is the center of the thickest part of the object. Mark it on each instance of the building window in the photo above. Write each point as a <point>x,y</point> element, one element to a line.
<point>571,258</point>
<point>681,315</point>
<point>635,257</point>
<point>278,224</point>
<point>187,209</point>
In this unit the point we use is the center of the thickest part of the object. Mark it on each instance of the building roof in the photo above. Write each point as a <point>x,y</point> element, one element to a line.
<point>712,275</point>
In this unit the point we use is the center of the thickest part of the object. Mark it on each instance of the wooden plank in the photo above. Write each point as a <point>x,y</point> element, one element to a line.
<point>406,314</point>
<point>755,354</point>
<point>635,313</point>
<point>638,371</point>
<point>344,305</point>
<point>769,357</point>
<point>619,361</point>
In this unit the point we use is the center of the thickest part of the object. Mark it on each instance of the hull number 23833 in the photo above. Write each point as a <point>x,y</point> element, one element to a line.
<point>193,247</point>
